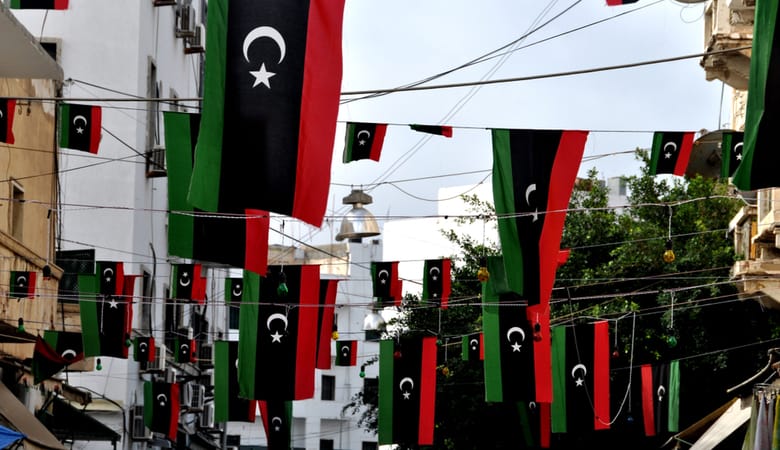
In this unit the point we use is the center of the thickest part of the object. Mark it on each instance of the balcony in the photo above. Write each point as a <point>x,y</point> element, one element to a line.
<point>728,24</point>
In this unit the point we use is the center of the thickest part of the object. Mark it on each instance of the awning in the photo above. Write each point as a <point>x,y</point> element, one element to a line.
<point>22,420</point>
<point>10,334</point>
<point>73,424</point>
<point>711,430</point>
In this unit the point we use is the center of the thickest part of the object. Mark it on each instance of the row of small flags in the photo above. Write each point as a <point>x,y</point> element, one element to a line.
<point>80,125</point>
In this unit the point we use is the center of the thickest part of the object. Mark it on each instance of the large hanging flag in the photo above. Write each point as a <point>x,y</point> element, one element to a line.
<point>144,349</point>
<point>670,152</point>
<point>80,127</point>
<point>161,408</point>
<point>436,281</point>
<point>186,350</point>
<point>363,141</point>
<point>731,152</point>
<point>472,347</point>
<point>346,353</point>
<point>762,117</point>
<point>661,398</point>
<point>277,423</point>
<point>509,350</point>
<point>39,4</point>
<point>580,378</point>
<point>239,239</point>
<point>22,284</point>
<point>228,406</point>
<point>407,390</point>
<point>325,322</point>
<point>106,311</point>
<point>387,285</point>
<point>7,109</point>
<point>533,176</point>
<point>271,97</point>
<point>440,130</point>
<point>277,333</point>
<point>55,351</point>
<point>188,283</point>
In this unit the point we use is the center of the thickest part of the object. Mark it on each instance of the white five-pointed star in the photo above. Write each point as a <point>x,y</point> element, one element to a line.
<point>667,155</point>
<point>80,130</point>
<point>739,156</point>
<point>362,142</point>
<point>276,428</point>
<point>407,395</point>
<point>276,337</point>
<point>262,76</point>
<point>383,281</point>
<point>579,381</point>
<point>516,347</point>
<point>113,304</point>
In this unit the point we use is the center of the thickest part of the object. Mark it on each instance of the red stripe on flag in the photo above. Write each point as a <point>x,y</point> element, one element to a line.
<point>319,109</point>
<point>31,284</point>
<point>396,285</point>
<point>446,131</point>
<point>252,413</point>
<point>544,425</point>
<point>326,326</point>
<point>446,268</point>
<point>353,353</point>
<point>427,391</point>
<point>264,415</point>
<point>256,252</point>
<point>9,112</point>
<point>60,4</point>
<point>173,421</point>
<point>307,332</point>
<point>128,292</point>
<point>379,138</point>
<point>152,350</point>
<point>95,129</point>
<point>648,413</point>
<point>601,375</point>
<point>685,154</point>
<point>539,314</point>
<point>481,346</point>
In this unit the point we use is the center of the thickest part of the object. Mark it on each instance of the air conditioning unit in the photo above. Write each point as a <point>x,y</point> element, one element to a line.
<point>138,429</point>
<point>196,43</point>
<point>206,356</point>
<point>197,396</point>
<point>158,365</point>
<point>155,162</point>
<point>185,21</point>
<point>170,375</point>
<point>207,416</point>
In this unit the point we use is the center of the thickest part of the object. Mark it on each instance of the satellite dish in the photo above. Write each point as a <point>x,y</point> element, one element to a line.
<point>705,159</point>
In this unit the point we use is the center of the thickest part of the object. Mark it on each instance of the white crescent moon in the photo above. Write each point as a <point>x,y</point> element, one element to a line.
<point>738,146</point>
<point>404,381</point>
<point>383,271</point>
<point>474,344</point>
<point>367,133</point>
<point>434,269</point>
<point>236,363</point>
<point>184,348</point>
<point>142,346</point>
<point>69,354</point>
<point>528,190</point>
<point>1,114</point>
<point>108,274</point>
<point>578,367</point>
<point>237,290</point>
<point>276,316</point>
<point>162,400</point>
<point>345,350</point>
<point>672,144</point>
<point>268,32</point>
<point>515,330</point>
<point>184,279</point>
<point>76,119</point>
<point>275,420</point>
<point>21,279</point>
<point>661,392</point>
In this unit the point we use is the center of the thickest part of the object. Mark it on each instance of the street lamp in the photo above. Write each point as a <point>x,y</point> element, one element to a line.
<point>358,223</point>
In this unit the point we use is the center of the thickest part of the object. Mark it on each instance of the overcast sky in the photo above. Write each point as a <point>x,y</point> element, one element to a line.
<point>388,44</point>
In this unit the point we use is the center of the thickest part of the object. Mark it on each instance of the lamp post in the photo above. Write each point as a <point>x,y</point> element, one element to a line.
<point>358,223</point>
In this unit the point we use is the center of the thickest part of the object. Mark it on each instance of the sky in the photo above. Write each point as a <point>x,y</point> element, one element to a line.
<point>389,44</point>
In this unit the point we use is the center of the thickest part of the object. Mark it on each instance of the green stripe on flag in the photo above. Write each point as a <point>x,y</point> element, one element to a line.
<point>504,201</point>
<point>386,385</point>
<point>148,401</point>
<point>674,396</point>
<point>64,124</point>
<point>494,390</point>
<point>347,157</point>
<point>208,165</point>
<point>88,289</point>
<point>221,381</point>
<point>51,337</point>
<point>655,151</point>
<point>558,407</point>
<point>178,156</point>
<point>725,152</point>
<point>247,335</point>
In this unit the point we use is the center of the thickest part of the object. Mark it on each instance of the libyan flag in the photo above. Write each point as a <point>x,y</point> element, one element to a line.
<point>39,4</point>
<point>228,406</point>
<point>387,285</point>
<point>731,152</point>
<point>660,398</point>
<point>7,109</point>
<point>346,353</point>
<point>671,152</point>
<point>239,239</point>
<point>22,284</point>
<point>762,119</point>
<point>436,281</point>
<point>277,423</point>
<point>508,336</point>
<point>55,351</point>
<point>161,408</point>
<point>271,98</point>
<point>325,322</point>
<point>580,378</point>
<point>106,310</point>
<point>277,333</point>
<point>472,347</point>
<point>407,390</point>
<point>363,141</point>
<point>188,283</point>
<point>440,130</point>
<point>80,127</point>
<point>144,349</point>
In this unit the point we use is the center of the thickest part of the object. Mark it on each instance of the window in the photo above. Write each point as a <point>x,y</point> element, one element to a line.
<point>328,387</point>
<point>326,444</point>
<point>371,391</point>
<point>147,294</point>
<point>172,319</point>
<point>17,210</point>
<point>369,446</point>
<point>73,263</point>
<point>155,153</point>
